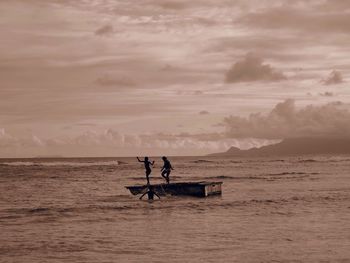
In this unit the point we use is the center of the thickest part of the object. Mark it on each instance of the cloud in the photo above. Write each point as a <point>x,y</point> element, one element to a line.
<point>198,92</point>
<point>327,94</point>
<point>105,30</point>
<point>335,5</point>
<point>113,138</point>
<point>309,18</point>
<point>285,121</point>
<point>251,68</point>
<point>117,81</point>
<point>335,77</point>
<point>8,141</point>
<point>176,5</point>
<point>76,73</point>
<point>113,143</point>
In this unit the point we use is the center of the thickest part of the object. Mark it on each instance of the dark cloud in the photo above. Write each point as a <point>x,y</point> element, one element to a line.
<point>251,68</point>
<point>327,94</point>
<point>105,30</point>
<point>335,77</point>
<point>86,124</point>
<point>198,92</point>
<point>117,81</point>
<point>285,121</point>
<point>176,5</point>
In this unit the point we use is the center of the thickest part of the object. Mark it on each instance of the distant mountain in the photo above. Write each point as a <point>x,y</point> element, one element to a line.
<point>295,146</point>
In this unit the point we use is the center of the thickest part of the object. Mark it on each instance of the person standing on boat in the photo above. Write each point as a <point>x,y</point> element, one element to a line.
<point>147,164</point>
<point>166,169</point>
<point>150,193</point>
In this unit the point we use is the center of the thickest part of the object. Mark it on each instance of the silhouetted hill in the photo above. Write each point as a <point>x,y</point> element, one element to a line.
<point>295,146</point>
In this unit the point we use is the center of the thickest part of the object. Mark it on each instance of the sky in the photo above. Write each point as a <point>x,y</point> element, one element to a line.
<point>170,77</point>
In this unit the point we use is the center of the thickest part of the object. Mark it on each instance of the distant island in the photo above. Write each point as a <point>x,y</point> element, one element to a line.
<point>294,146</point>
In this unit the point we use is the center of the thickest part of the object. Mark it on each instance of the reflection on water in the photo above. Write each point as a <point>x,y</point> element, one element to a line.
<point>78,210</point>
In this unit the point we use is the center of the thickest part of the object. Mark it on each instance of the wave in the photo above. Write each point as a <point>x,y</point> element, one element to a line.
<point>38,210</point>
<point>283,175</point>
<point>308,161</point>
<point>203,161</point>
<point>45,214</point>
<point>225,177</point>
<point>291,173</point>
<point>331,160</point>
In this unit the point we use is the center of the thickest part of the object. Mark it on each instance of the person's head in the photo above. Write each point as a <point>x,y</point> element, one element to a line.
<point>146,158</point>
<point>150,187</point>
<point>163,158</point>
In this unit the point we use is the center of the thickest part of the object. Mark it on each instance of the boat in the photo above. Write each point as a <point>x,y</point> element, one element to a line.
<point>199,189</point>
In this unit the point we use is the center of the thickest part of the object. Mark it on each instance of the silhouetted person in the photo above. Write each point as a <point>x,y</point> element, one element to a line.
<point>150,193</point>
<point>147,167</point>
<point>166,169</point>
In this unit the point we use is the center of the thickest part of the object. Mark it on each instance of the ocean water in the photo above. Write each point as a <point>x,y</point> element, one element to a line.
<point>294,209</point>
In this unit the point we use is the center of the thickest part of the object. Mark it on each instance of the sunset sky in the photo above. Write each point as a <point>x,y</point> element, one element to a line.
<point>161,77</point>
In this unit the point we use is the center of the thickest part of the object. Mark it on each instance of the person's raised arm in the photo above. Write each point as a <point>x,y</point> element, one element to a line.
<point>152,163</point>
<point>139,160</point>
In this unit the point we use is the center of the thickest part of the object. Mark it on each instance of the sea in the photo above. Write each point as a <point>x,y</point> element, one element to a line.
<point>272,209</point>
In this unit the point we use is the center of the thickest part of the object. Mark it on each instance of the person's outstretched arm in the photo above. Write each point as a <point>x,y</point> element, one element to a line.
<point>139,160</point>
<point>152,163</point>
<point>157,195</point>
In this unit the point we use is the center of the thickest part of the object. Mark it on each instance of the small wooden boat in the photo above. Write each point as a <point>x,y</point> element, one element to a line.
<point>199,189</point>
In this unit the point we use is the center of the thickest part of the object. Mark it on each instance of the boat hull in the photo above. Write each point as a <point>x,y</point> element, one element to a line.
<point>199,189</point>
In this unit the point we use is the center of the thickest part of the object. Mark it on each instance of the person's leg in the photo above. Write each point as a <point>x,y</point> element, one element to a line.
<point>163,175</point>
<point>167,176</point>
<point>148,172</point>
